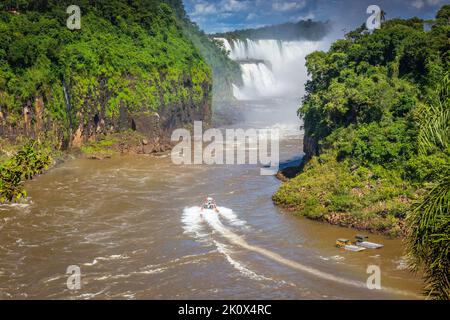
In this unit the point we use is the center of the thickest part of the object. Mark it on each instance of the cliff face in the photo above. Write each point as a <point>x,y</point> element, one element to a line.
<point>130,67</point>
<point>310,147</point>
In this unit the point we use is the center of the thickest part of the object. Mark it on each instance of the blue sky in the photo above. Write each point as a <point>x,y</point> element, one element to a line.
<point>226,15</point>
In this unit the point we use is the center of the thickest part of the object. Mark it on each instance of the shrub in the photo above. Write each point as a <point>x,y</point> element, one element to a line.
<point>28,162</point>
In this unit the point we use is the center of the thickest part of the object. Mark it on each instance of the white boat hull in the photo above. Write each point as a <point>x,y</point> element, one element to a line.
<point>369,245</point>
<point>351,247</point>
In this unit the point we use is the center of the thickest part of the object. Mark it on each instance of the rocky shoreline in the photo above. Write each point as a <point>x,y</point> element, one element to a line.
<point>347,220</point>
<point>125,144</point>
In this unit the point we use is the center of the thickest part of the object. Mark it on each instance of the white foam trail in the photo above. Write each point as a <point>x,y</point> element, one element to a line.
<point>108,258</point>
<point>237,265</point>
<point>214,221</point>
<point>192,220</point>
<point>230,216</point>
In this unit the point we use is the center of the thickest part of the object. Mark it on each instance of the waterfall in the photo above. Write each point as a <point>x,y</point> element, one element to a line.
<point>257,79</point>
<point>67,101</point>
<point>270,68</point>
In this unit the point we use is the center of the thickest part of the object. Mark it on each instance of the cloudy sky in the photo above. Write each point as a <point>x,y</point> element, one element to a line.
<point>225,15</point>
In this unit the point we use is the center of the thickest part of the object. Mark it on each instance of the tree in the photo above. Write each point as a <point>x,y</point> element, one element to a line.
<point>428,241</point>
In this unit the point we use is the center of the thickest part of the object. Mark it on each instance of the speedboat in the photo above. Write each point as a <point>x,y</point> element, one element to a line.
<point>361,242</point>
<point>210,204</point>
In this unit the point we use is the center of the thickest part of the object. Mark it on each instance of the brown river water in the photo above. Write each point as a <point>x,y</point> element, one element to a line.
<point>131,225</point>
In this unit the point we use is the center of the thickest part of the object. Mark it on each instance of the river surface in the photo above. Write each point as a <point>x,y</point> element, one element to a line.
<point>132,227</point>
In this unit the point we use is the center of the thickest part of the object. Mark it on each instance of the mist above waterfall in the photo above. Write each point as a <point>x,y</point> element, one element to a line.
<point>271,68</point>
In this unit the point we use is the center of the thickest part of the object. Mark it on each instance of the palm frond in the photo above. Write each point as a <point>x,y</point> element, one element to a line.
<point>428,242</point>
<point>435,120</point>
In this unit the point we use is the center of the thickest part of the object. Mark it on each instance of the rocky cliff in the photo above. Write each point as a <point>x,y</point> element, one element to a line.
<point>129,67</point>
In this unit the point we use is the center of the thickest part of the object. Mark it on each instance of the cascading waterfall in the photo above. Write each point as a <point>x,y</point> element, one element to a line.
<point>257,78</point>
<point>67,101</point>
<point>270,68</point>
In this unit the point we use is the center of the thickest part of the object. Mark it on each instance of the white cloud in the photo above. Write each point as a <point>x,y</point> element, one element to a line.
<point>251,16</point>
<point>233,5</point>
<point>421,3</point>
<point>203,8</point>
<point>225,15</point>
<point>288,5</point>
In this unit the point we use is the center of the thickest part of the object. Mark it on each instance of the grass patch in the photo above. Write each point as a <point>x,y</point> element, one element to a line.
<point>103,146</point>
<point>336,192</point>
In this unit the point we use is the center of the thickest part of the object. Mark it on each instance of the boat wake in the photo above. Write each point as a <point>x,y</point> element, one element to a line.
<point>194,220</point>
<point>197,222</point>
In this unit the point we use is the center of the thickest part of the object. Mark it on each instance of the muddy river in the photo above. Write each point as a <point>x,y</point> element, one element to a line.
<point>132,227</point>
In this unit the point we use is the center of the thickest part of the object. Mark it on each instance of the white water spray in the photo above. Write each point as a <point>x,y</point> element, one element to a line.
<point>194,223</point>
<point>271,68</point>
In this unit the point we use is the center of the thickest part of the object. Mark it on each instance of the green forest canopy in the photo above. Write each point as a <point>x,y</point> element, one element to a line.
<point>140,54</point>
